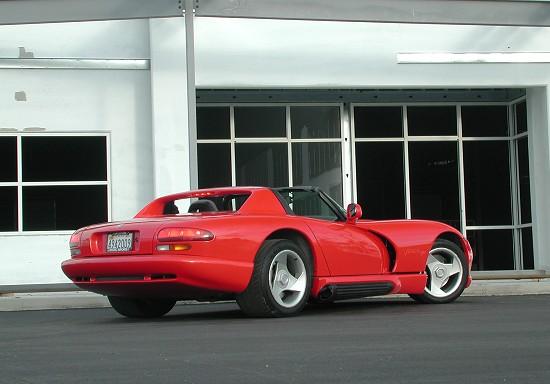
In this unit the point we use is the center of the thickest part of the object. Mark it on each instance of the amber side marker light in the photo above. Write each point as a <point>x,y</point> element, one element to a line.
<point>74,243</point>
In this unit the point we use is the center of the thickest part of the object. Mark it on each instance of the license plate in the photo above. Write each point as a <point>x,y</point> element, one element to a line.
<point>120,241</point>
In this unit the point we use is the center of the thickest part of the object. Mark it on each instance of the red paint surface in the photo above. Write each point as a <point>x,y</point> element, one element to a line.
<point>343,252</point>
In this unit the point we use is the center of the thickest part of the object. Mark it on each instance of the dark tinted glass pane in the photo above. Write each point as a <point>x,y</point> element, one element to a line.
<point>8,209</point>
<point>487,183</point>
<point>213,123</point>
<point>380,180</point>
<point>489,120</point>
<point>434,181</point>
<point>263,164</point>
<point>63,207</point>
<point>309,204</point>
<point>320,165</point>
<point>214,165</point>
<point>527,247</point>
<point>64,158</point>
<point>378,121</point>
<point>315,122</point>
<point>493,249</point>
<point>431,121</point>
<point>260,121</point>
<point>524,186</point>
<point>8,159</point>
<point>521,117</point>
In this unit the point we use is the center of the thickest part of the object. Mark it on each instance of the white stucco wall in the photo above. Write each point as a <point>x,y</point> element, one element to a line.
<point>114,101</point>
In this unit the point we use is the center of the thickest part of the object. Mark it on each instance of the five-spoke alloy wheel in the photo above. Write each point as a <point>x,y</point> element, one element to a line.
<point>281,280</point>
<point>447,272</point>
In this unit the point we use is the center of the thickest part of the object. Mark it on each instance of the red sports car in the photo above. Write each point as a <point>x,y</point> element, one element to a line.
<point>271,249</point>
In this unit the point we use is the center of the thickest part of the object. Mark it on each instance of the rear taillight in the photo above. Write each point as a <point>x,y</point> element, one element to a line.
<point>184,234</point>
<point>74,243</point>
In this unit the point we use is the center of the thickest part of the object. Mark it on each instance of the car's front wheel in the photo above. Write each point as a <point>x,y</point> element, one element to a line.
<point>447,272</point>
<point>141,308</point>
<point>280,283</point>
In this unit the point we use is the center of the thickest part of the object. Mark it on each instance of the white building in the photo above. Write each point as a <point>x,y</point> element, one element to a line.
<point>94,124</point>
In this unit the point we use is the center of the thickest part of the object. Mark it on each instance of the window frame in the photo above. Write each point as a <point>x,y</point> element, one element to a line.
<point>20,184</point>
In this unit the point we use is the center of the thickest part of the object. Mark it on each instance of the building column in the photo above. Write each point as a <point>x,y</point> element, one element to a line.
<point>538,121</point>
<point>170,106</point>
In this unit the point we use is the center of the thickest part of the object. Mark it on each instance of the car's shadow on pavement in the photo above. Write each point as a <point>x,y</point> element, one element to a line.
<point>230,310</point>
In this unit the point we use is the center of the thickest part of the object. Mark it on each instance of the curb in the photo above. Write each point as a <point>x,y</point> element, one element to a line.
<point>10,302</point>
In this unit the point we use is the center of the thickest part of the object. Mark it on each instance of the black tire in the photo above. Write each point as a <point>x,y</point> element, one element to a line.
<point>428,298</point>
<point>257,300</point>
<point>141,308</point>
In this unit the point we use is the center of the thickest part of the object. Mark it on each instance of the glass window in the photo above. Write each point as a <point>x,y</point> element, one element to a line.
<point>308,204</point>
<point>318,164</point>
<point>521,117</point>
<point>315,122</point>
<point>213,123</point>
<point>432,121</point>
<point>378,121</point>
<point>527,247</point>
<point>50,208</point>
<point>214,165</point>
<point>262,164</point>
<point>67,158</point>
<point>487,182</point>
<point>8,209</point>
<point>8,159</point>
<point>493,249</point>
<point>434,181</point>
<point>260,121</point>
<point>524,186</point>
<point>380,179</point>
<point>481,121</point>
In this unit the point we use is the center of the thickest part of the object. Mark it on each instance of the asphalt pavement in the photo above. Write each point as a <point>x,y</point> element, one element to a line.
<point>502,339</point>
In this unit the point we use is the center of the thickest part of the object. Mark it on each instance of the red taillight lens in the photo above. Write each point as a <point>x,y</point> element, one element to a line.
<point>74,243</point>
<point>184,234</point>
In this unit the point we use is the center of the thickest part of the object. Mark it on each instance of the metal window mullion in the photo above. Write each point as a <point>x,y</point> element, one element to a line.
<point>406,163</point>
<point>261,140</point>
<point>109,189</point>
<point>289,145</point>
<point>461,174</point>
<point>377,139</point>
<point>515,192</point>
<point>232,143</point>
<point>488,227</point>
<point>348,155</point>
<point>19,184</point>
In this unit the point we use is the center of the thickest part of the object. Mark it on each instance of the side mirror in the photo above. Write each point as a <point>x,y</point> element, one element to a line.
<point>353,213</point>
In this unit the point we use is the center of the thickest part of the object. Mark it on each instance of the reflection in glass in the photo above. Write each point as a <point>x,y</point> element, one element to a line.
<point>434,181</point>
<point>380,179</point>
<point>263,164</point>
<point>378,121</point>
<point>493,249</point>
<point>8,158</point>
<point>527,247</point>
<point>487,183</point>
<point>213,123</point>
<point>67,158</point>
<point>318,164</point>
<point>315,122</point>
<point>524,187</point>
<point>521,117</point>
<point>8,209</point>
<point>260,121</point>
<point>214,165</point>
<point>48,208</point>
<point>479,121</point>
<point>432,121</point>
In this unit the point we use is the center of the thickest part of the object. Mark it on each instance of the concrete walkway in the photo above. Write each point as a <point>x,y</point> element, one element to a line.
<point>82,299</point>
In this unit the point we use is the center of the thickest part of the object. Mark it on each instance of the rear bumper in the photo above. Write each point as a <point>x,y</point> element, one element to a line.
<point>178,276</point>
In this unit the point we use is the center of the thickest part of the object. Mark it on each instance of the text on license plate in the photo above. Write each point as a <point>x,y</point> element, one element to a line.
<point>120,241</point>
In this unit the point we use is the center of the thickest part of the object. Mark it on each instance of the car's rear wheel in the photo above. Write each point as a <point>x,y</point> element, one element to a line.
<point>280,283</point>
<point>141,308</point>
<point>447,272</point>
